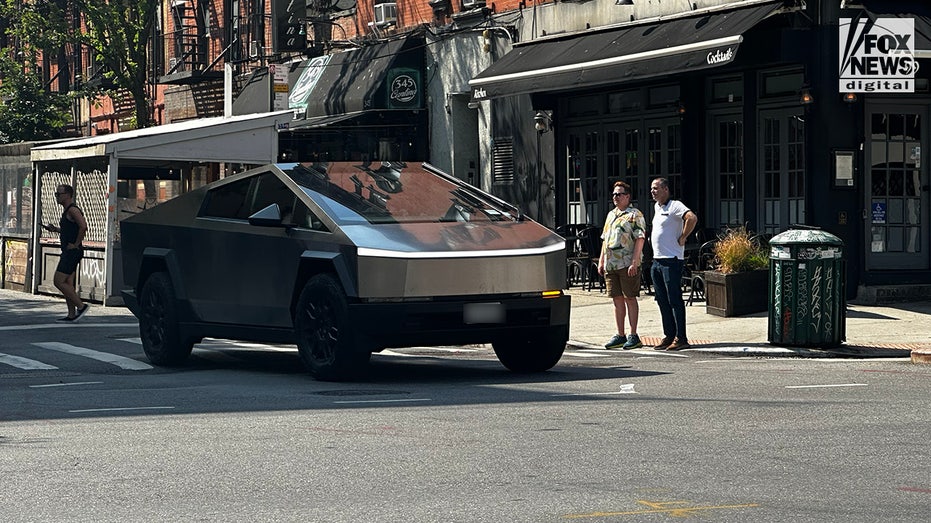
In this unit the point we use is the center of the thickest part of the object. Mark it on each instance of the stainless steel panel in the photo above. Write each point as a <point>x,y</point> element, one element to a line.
<point>381,277</point>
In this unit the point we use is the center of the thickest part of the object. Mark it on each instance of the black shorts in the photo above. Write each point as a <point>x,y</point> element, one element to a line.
<point>70,258</point>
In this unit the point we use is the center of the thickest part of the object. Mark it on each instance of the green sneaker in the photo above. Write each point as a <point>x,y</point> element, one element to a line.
<point>616,342</point>
<point>633,342</point>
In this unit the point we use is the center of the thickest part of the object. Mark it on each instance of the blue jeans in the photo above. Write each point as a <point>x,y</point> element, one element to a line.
<point>667,285</point>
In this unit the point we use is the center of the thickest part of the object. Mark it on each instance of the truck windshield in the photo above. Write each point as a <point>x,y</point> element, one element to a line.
<point>393,192</point>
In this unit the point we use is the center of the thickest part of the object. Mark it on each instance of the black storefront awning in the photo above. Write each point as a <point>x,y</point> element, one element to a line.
<point>387,75</point>
<point>255,96</point>
<point>620,54</point>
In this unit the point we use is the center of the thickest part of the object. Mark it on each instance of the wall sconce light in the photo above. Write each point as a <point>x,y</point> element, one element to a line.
<point>850,97</point>
<point>623,2</point>
<point>805,97</point>
<point>542,121</point>
<point>680,108</point>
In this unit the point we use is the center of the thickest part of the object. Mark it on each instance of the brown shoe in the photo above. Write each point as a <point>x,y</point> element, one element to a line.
<point>667,341</point>
<point>679,345</point>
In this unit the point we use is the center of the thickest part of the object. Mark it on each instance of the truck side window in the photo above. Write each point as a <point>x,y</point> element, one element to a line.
<point>268,190</point>
<point>228,201</point>
<point>304,217</point>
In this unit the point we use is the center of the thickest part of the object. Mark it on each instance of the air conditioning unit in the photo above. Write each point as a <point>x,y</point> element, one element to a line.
<point>472,4</point>
<point>255,49</point>
<point>386,14</point>
<point>173,66</point>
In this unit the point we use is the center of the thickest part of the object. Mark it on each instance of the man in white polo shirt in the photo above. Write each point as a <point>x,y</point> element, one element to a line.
<point>672,224</point>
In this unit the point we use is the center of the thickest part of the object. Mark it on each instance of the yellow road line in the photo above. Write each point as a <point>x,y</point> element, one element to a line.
<point>678,512</point>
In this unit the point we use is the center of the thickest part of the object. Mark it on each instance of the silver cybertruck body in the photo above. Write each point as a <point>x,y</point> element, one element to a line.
<point>345,259</point>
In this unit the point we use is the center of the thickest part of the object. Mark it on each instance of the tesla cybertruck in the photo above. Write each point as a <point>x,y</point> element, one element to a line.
<point>343,260</point>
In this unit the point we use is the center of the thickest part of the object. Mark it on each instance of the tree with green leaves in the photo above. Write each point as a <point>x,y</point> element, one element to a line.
<point>28,109</point>
<point>117,33</point>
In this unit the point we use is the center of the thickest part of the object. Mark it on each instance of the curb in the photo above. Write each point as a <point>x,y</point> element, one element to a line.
<point>761,350</point>
<point>921,355</point>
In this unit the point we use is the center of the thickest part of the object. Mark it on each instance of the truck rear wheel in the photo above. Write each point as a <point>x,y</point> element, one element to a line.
<point>327,343</point>
<point>158,323</point>
<point>531,351</point>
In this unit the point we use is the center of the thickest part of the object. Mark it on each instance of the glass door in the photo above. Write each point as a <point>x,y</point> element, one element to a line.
<point>634,151</point>
<point>896,188</point>
<point>663,160</point>
<point>728,170</point>
<point>623,158</point>
<point>584,164</point>
<point>782,161</point>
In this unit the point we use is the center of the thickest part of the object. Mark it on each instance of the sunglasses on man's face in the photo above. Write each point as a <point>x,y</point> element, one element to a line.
<point>59,193</point>
<point>618,194</point>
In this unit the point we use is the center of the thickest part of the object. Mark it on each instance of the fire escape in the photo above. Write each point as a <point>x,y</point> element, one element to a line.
<point>192,51</point>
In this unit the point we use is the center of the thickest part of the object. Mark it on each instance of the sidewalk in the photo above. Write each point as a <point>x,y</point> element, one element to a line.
<point>872,331</point>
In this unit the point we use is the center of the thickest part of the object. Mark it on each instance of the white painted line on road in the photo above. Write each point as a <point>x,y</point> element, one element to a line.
<point>658,354</point>
<point>275,348</point>
<point>65,384</point>
<point>118,409</point>
<point>585,346</point>
<point>65,326</point>
<point>235,344</point>
<point>24,363</point>
<point>585,354</point>
<point>826,386</point>
<point>387,352</point>
<point>215,355</point>
<point>408,400</point>
<point>106,357</point>
<point>593,393</point>
<point>445,349</point>
<point>750,350</point>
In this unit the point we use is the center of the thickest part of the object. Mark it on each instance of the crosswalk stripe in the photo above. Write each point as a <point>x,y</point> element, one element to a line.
<point>64,326</point>
<point>216,355</point>
<point>216,343</point>
<point>113,359</point>
<point>24,363</point>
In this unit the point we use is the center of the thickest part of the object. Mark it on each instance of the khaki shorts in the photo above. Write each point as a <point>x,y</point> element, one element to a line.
<point>619,283</point>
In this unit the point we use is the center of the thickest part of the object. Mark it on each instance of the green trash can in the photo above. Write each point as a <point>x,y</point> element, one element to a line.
<point>807,282</point>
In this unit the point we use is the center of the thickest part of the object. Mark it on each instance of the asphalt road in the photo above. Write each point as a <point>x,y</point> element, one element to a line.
<point>447,434</point>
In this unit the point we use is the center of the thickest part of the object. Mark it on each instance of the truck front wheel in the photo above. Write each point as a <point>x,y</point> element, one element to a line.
<point>327,343</point>
<point>158,323</point>
<point>531,351</point>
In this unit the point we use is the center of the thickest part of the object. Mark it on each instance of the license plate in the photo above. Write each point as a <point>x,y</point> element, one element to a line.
<point>483,313</point>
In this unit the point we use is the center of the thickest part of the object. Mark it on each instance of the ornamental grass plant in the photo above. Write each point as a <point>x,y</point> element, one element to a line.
<point>735,251</point>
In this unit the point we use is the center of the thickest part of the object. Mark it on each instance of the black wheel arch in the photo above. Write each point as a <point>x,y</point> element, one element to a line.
<point>320,262</point>
<point>156,259</point>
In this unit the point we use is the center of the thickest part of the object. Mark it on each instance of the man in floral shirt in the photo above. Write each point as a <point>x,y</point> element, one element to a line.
<point>621,253</point>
